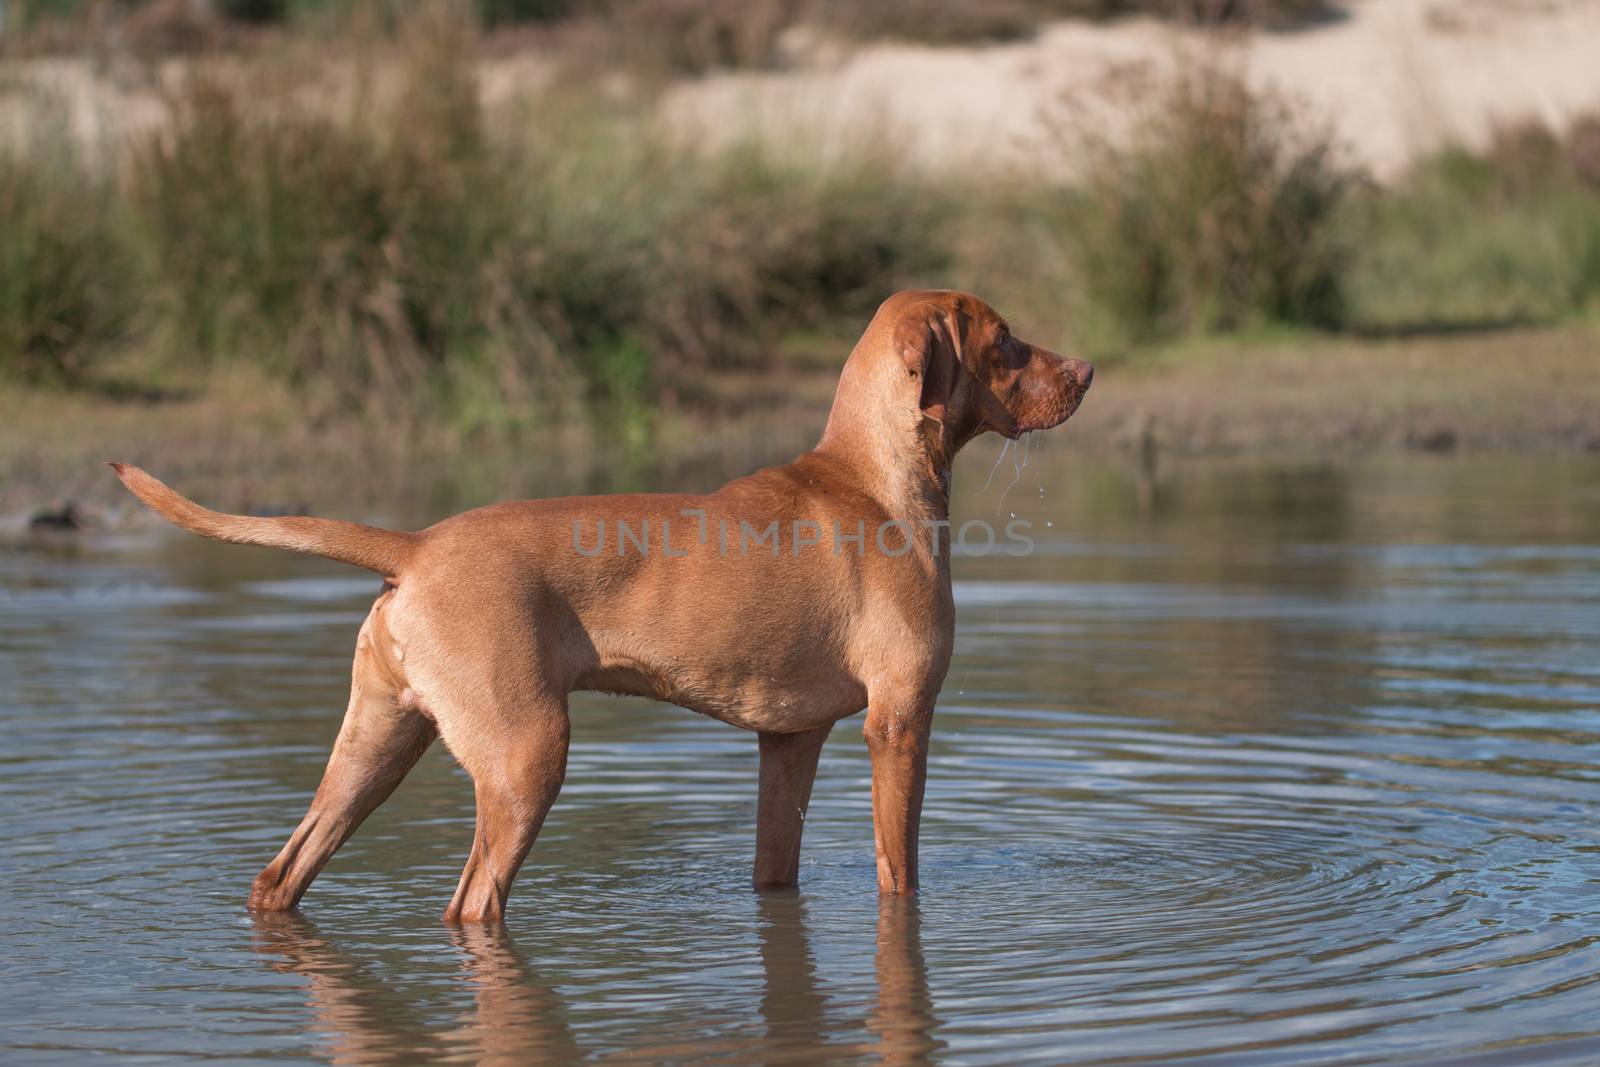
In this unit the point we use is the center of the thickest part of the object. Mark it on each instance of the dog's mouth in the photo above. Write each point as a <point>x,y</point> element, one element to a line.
<point>1050,422</point>
<point>1058,409</point>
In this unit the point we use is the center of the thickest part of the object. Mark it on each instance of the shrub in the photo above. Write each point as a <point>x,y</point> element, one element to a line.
<point>692,36</point>
<point>257,11</point>
<point>417,247</point>
<point>497,12</point>
<point>64,287</point>
<point>664,38</point>
<point>338,250</point>
<point>1508,236</point>
<point>1218,211</point>
<point>965,22</point>
<point>773,245</point>
<point>629,242</point>
<point>265,234</point>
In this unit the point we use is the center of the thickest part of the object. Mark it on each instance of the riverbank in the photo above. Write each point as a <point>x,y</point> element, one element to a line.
<point>399,270</point>
<point>242,444</point>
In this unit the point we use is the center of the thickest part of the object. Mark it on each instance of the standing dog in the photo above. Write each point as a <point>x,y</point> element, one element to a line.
<point>781,603</point>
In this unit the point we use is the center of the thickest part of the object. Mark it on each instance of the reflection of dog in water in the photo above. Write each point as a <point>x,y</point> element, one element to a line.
<point>517,1017</point>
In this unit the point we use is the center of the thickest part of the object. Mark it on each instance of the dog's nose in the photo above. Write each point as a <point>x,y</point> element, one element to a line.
<point>1082,371</point>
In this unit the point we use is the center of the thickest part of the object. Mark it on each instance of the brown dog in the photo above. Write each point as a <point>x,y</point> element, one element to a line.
<point>781,603</point>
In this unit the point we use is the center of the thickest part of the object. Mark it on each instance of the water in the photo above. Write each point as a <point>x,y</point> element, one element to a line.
<point>1247,764</point>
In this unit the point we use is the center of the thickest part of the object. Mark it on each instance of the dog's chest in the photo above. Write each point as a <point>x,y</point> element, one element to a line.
<point>780,698</point>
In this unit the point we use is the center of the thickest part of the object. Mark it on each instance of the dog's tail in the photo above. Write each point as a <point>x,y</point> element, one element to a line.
<point>384,551</point>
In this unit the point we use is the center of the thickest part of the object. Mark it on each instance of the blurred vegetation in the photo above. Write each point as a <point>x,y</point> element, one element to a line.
<point>695,36</point>
<point>1224,210</point>
<point>1218,212</point>
<point>1506,237</point>
<point>408,251</point>
<point>677,36</point>
<point>379,238</point>
<point>65,293</point>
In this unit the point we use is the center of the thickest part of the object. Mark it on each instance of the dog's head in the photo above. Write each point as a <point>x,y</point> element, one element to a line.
<point>965,374</point>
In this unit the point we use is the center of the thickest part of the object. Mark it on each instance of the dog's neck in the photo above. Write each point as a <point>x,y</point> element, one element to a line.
<point>910,488</point>
<point>895,460</point>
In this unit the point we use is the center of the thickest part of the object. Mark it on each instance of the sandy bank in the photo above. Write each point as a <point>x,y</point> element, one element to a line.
<point>1394,77</point>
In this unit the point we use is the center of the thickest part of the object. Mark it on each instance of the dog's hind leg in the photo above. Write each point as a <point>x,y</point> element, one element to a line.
<point>788,768</point>
<point>381,739</point>
<point>517,769</point>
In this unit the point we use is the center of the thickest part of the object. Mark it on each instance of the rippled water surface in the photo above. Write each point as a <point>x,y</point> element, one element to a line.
<point>1244,765</point>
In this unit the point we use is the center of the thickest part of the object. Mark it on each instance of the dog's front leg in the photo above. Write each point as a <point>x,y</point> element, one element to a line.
<point>788,768</point>
<point>897,739</point>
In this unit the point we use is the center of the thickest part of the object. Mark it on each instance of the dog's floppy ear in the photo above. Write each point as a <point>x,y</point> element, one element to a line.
<point>929,353</point>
